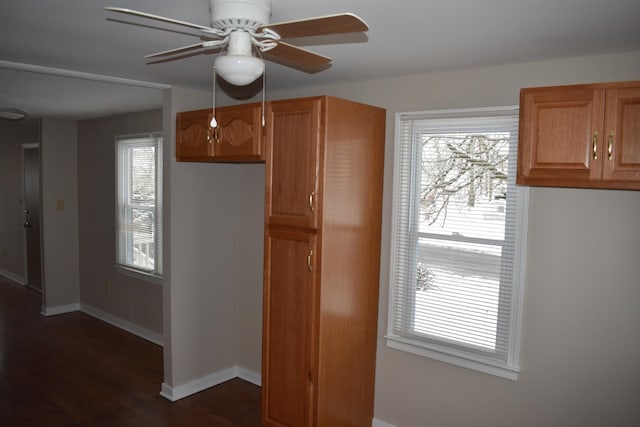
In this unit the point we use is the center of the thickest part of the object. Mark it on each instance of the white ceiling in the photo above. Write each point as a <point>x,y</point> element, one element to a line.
<point>405,37</point>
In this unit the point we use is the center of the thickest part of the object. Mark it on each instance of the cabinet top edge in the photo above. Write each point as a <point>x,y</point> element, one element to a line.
<point>605,85</point>
<point>325,98</point>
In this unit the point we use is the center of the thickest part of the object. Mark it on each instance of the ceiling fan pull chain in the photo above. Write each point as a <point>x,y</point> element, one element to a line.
<point>264,83</point>
<point>264,88</point>
<point>213,123</point>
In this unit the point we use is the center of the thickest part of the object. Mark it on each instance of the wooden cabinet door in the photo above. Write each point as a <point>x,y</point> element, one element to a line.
<point>293,143</point>
<point>622,132</point>
<point>287,373</point>
<point>193,136</point>
<point>239,134</point>
<point>561,141</point>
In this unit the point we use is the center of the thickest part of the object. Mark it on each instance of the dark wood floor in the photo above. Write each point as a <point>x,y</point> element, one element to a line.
<point>74,370</point>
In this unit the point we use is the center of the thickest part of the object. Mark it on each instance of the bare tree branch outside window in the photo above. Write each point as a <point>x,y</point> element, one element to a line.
<point>461,167</point>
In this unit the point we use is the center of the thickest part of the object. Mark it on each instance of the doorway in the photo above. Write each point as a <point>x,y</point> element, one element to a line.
<point>31,223</point>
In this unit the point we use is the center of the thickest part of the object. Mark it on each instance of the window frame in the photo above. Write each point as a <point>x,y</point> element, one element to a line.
<point>454,353</point>
<point>156,139</point>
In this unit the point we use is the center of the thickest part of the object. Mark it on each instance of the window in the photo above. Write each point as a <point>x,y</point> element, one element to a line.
<point>139,205</point>
<point>458,237</point>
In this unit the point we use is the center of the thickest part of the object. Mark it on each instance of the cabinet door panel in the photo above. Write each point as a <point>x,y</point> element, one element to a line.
<point>560,135</point>
<point>239,134</point>
<point>287,376</point>
<point>622,127</point>
<point>293,141</point>
<point>193,135</point>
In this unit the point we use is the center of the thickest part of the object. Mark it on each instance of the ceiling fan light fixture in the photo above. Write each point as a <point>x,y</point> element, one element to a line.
<point>239,67</point>
<point>239,70</point>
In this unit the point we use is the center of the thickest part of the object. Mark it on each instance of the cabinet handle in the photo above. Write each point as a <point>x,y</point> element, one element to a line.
<point>313,193</point>
<point>213,137</point>
<point>610,146</point>
<point>595,145</point>
<point>309,259</point>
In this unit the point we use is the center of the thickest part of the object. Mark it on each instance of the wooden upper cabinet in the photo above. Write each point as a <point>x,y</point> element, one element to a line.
<point>193,136</point>
<point>239,134</point>
<point>580,136</point>
<point>293,141</point>
<point>238,137</point>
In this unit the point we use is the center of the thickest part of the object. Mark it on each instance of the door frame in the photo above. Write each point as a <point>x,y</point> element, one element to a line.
<point>23,148</point>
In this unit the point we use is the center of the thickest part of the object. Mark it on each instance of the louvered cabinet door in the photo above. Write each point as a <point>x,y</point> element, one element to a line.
<point>288,349</point>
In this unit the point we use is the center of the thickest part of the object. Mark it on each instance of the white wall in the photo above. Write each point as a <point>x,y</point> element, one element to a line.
<point>59,162</point>
<point>580,342</point>
<point>211,255</point>
<point>251,259</point>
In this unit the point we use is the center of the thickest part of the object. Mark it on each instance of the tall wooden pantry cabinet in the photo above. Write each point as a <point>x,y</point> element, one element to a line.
<point>324,171</point>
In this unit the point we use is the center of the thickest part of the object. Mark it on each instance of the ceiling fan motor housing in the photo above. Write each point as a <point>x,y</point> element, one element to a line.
<point>247,14</point>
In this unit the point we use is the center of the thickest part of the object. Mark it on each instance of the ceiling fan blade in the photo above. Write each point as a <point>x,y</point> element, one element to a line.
<point>318,26</point>
<point>159,18</point>
<point>297,57</point>
<point>186,48</point>
<point>172,51</point>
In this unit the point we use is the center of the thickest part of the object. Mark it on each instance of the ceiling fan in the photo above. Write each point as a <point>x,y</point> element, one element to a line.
<point>242,27</point>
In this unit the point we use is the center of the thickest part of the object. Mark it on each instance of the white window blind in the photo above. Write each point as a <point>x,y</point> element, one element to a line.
<point>458,229</point>
<point>139,204</point>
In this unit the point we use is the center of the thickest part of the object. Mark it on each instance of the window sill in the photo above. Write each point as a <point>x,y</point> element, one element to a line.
<point>453,357</point>
<point>138,274</point>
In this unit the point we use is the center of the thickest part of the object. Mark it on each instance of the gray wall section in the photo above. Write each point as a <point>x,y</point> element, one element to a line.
<point>59,212</point>
<point>131,299</point>
<point>213,300</point>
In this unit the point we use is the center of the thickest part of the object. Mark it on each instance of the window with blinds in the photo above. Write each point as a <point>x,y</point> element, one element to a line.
<point>459,226</point>
<point>139,204</point>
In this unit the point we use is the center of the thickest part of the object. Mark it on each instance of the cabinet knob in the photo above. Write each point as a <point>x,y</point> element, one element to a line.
<point>595,145</point>
<point>610,146</point>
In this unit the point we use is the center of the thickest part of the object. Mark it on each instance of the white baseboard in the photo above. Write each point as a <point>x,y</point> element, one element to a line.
<point>122,324</point>
<point>216,378</point>
<point>379,423</point>
<point>203,383</point>
<point>60,309</point>
<point>250,376</point>
<point>13,277</point>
